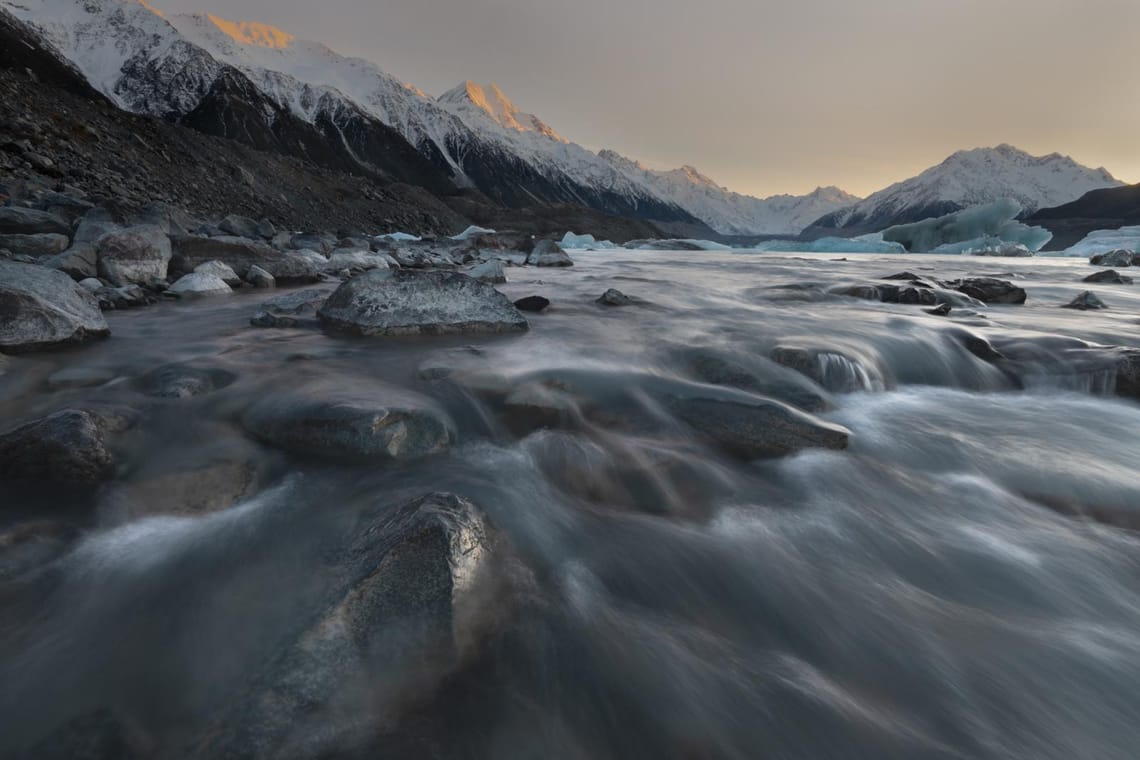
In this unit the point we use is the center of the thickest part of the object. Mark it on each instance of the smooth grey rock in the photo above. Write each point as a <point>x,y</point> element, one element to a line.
<point>220,270</point>
<point>200,284</point>
<point>1110,276</point>
<point>65,448</point>
<point>180,381</point>
<point>42,308</point>
<point>265,230</point>
<point>378,424</point>
<point>79,262</point>
<point>344,259</point>
<point>1086,301</point>
<point>407,302</point>
<point>125,297</point>
<point>548,253</point>
<point>990,290</point>
<point>756,427</point>
<point>320,243</point>
<point>614,297</point>
<point>37,246</point>
<point>239,226</point>
<point>259,278</point>
<point>134,256</point>
<point>295,309</point>
<point>406,584</point>
<point>91,284</point>
<point>95,224</point>
<point>1117,258</point>
<point>17,220</point>
<point>490,272</point>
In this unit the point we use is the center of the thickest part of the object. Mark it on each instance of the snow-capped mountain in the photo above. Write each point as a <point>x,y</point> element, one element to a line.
<point>260,84</point>
<point>970,178</point>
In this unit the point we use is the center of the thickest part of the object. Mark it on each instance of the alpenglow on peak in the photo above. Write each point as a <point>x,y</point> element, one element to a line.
<point>493,102</point>
<point>253,33</point>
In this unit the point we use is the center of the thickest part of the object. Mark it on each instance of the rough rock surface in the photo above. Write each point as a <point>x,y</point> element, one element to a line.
<point>66,448</point>
<point>38,245</point>
<point>1110,276</point>
<point>548,253</point>
<point>41,308</point>
<point>240,255</point>
<point>16,220</point>
<point>295,309</point>
<point>990,290</point>
<point>490,272</point>
<point>220,270</point>
<point>79,262</point>
<point>614,297</point>
<point>1086,301</point>
<point>200,284</point>
<point>1117,258</point>
<point>407,302</point>
<point>134,256</point>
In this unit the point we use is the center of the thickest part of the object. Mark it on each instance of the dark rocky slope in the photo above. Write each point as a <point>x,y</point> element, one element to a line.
<point>1107,209</point>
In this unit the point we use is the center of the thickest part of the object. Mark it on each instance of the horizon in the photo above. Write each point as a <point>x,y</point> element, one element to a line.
<point>602,107</point>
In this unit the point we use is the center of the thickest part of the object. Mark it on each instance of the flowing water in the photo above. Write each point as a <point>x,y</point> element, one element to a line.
<point>961,582</point>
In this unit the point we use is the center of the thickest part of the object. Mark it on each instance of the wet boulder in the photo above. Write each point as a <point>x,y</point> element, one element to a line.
<point>17,220</point>
<point>297,309</point>
<point>1108,276</point>
<point>1128,372</point>
<point>390,623</point>
<point>614,297</point>
<point>371,424</point>
<point>990,290</point>
<point>832,369</point>
<point>1117,258</point>
<point>490,272</point>
<point>179,381</point>
<point>406,302</point>
<point>68,448</point>
<point>533,304</point>
<point>240,255</point>
<point>42,308</point>
<point>754,427</point>
<point>548,253</point>
<point>134,256</point>
<point>1086,301</point>
<point>259,278</point>
<point>755,374</point>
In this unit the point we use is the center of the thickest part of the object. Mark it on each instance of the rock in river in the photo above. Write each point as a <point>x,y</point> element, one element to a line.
<point>548,253</point>
<point>295,309</point>
<point>41,308</point>
<point>200,284</point>
<point>372,423</point>
<point>1086,301</point>
<point>532,303</point>
<point>415,302</point>
<point>1110,276</point>
<point>65,448</point>
<point>990,290</point>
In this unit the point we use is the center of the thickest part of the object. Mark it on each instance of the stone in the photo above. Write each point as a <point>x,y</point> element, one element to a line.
<point>1117,258</point>
<point>125,297</point>
<point>490,272</point>
<point>79,262</point>
<point>67,448</point>
<point>36,246</point>
<point>17,220</point>
<point>408,302</point>
<point>65,206</point>
<point>199,284</point>
<point>940,310</point>
<point>297,309</point>
<point>91,284</point>
<point>181,381</point>
<point>221,270</point>
<point>754,427</point>
<point>532,303</point>
<point>42,308</point>
<point>320,243</point>
<point>990,290</point>
<point>239,226</point>
<point>364,260</point>
<point>614,297</point>
<point>755,374</point>
<point>1086,301</point>
<point>378,424</point>
<point>240,254</point>
<point>94,225</point>
<point>407,580</point>
<point>134,256</point>
<point>548,253</point>
<point>1128,372</point>
<point>265,230</point>
<point>1110,276</point>
<point>259,278</point>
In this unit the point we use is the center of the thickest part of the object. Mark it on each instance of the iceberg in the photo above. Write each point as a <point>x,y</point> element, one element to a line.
<point>676,244</point>
<point>994,222</point>
<point>399,237</point>
<point>472,231</point>
<point>1103,241</point>
<point>986,246</point>
<point>872,243</point>
<point>570,241</point>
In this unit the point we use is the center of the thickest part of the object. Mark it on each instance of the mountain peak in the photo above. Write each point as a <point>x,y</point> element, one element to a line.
<point>492,102</point>
<point>252,33</point>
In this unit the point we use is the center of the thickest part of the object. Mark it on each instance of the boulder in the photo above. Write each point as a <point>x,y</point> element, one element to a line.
<point>548,253</point>
<point>614,297</point>
<point>16,220</point>
<point>297,309</point>
<point>990,290</point>
<point>265,230</point>
<point>756,374</point>
<point>66,448</point>
<point>125,297</point>
<point>199,284</point>
<point>754,427</point>
<point>345,259</point>
<point>95,224</point>
<point>490,272</point>
<point>320,243</point>
<point>941,310</point>
<point>91,284</point>
<point>180,381</point>
<point>240,226</point>
<point>259,278</point>
<point>42,308</point>
<point>1086,301</point>
<point>67,207</point>
<point>135,255</point>
<point>407,302</point>
<point>1117,258</point>
<point>220,270</point>
<point>240,254</point>
<point>379,424</point>
<point>38,245</point>
<point>532,303</point>
<point>1110,276</point>
<point>407,579</point>
<point>79,262</point>
<point>1128,372</point>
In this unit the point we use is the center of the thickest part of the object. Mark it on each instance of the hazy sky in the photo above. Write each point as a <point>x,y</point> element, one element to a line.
<point>768,96</point>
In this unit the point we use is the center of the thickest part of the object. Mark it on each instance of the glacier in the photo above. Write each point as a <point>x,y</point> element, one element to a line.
<point>872,243</point>
<point>472,231</point>
<point>1103,241</point>
<point>993,223</point>
<point>571,241</point>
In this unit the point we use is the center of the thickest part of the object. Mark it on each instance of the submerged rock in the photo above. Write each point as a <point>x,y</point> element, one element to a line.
<point>1086,301</point>
<point>1110,276</point>
<point>183,381</point>
<point>380,424</point>
<point>134,256</point>
<point>391,622</point>
<point>941,310</point>
<point>409,302</point>
<point>66,448</point>
<point>298,309</point>
<point>614,297</point>
<point>1128,372</point>
<point>756,375</point>
<point>532,303</point>
<point>42,308</point>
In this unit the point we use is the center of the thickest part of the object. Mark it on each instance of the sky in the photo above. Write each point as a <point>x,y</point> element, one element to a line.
<point>767,96</point>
